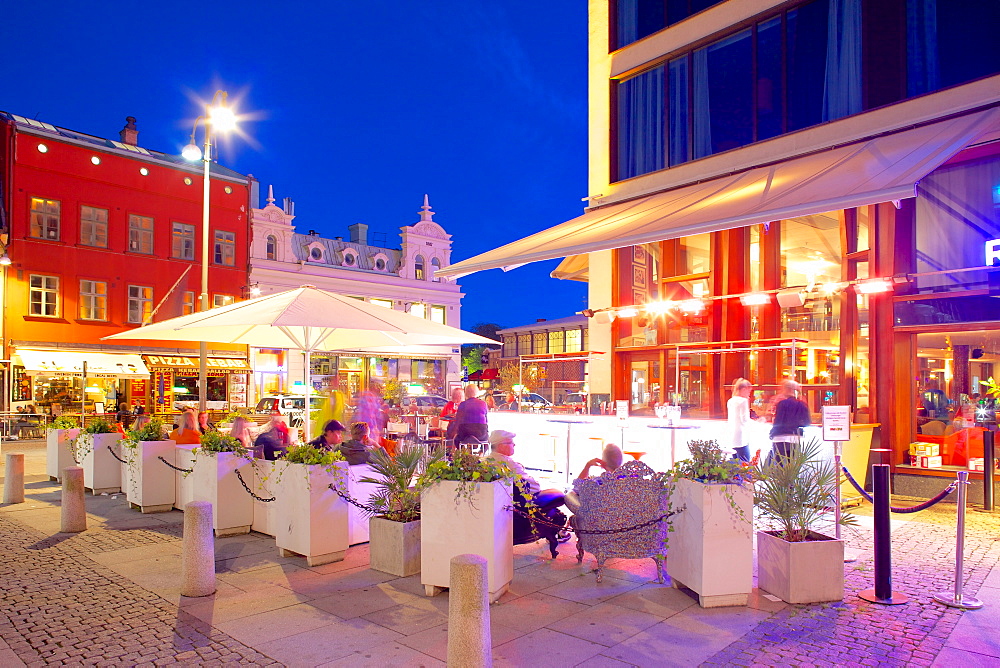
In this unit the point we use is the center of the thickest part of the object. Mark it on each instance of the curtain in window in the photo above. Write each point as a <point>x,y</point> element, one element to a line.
<point>842,87</point>
<point>922,74</point>
<point>627,20</point>
<point>680,149</point>
<point>641,120</point>
<point>702,108</point>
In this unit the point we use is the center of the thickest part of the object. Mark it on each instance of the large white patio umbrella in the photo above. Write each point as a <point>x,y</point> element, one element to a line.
<point>305,319</point>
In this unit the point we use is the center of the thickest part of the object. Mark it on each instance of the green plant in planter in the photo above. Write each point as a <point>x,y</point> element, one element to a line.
<point>64,422</point>
<point>310,455</point>
<point>710,465</point>
<point>468,470</point>
<point>153,430</point>
<point>214,441</point>
<point>793,493</point>
<point>399,481</point>
<point>83,444</point>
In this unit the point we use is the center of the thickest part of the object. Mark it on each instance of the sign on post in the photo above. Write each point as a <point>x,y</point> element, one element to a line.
<point>836,423</point>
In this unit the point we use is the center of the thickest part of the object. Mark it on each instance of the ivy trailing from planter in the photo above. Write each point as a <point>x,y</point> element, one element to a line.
<point>468,470</point>
<point>83,444</point>
<point>309,455</point>
<point>710,465</point>
<point>152,430</point>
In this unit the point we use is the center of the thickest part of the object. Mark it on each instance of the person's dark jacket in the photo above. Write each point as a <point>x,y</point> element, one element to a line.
<point>271,444</point>
<point>355,452</point>
<point>789,415</point>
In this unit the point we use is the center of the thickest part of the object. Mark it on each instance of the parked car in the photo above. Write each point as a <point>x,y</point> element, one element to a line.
<point>427,401</point>
<point>288,404</point>
<point>530,401</point>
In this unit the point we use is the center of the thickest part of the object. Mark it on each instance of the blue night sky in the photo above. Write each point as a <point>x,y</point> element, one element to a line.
<point>359,109</point>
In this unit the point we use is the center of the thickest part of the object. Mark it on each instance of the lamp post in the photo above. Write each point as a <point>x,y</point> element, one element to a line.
<point>218,116</point>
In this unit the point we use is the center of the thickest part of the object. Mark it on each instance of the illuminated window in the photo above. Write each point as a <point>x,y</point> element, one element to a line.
<point>93,300</point>
<point>574,340</point>
<point>44,218</point>
<point>387,303</point>
<point>419,310</point>
<point>182,241</point>
<point>188,306</point>
<point>437,314</point>
<point>140,303</point>
<point>418,267</point>
<point>43,292</point>
<point>93,226</point>
<point>225,248</point>
<point>222,300</point>
<point>140,234</point>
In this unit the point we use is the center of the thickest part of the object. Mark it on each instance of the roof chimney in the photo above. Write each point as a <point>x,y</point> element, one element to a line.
<point>289,207</point>
<point>540,319</point>
<point>129,134</point>
<point>359,233</point>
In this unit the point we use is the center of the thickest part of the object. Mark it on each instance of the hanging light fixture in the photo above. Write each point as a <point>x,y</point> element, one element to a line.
<point>755,299</point>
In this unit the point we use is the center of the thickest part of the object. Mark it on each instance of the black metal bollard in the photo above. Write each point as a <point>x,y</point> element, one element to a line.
<point>882,593</point>
<point>989,465</point>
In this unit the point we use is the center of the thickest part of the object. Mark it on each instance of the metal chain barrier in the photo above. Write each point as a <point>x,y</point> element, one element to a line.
<point>250,491</point>
<point>115,455</point>
<point>353,501</point>
<point>176,468</point>
<point>911,509</point>
<point>595,532</point>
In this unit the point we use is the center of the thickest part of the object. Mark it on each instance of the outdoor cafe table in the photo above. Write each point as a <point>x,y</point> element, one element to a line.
<point>569,426</point>
<point>674,428</point>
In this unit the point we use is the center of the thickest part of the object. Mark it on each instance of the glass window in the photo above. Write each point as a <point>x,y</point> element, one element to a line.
<point>949,42</point>
<point>770,82</point>
<point>680,127</point>
<point>387,303</point>
<point>140,234</point>
<point>438,314</point>
<point>524,344</point>
<point>93,226</point>
<point>540,343</point>
<point>271,248</point>
<point>806,31</point>
<point>641,124</point>
<point>140,303</point>
<point>93,300</point>
<point>722,94</point>
<point>44,218</point>
<point>225,248</point>
<point>435,265</point>
<point>418,267</point>
<point>182,241</point>
<point>811,257</point>
<point>574,340</point>
<point>188,306</point>
<point>557,342</point>
<point>222,300</point>
<point>418,310</point>
<point>635,19</point>
<point>43,295</point>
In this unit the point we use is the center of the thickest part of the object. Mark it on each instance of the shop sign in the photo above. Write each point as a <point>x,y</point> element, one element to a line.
<point>231,364</point>
<point>992,252</point>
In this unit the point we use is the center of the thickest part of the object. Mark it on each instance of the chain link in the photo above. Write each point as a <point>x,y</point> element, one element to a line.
<point>593,532</point>
<point>354,502</point>
<point>250,491</point>
<point>176,468</point>
<point>115,455</point>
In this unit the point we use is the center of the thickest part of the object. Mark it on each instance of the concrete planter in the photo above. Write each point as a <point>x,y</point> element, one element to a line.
<point>183,484</point>
<point>57,452</point>
<point>264,513</point>
<point>214,479</point>
<point>358,527</point>
<point>101,471</point>
<point>805,572</point>
<point>147,482</point>
<point>451,526</point>
<point>311,519</point>
<point>711,546</point>
<point>394,547</point>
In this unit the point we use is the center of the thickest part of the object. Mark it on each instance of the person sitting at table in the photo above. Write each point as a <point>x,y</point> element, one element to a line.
<point>272,443</point>
<point>186,432</point>
<point>471,418</point>
<point>358,449</point>
<point>450,412</point>
<point>502,450</point>
<point>204,426</point>
<point>331,438</point>
<point>610,460</point>
<point>241,431</point>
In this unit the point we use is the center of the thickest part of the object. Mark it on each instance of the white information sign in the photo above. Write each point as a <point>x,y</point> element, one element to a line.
<point>836,423</point>
<point>621,409</point>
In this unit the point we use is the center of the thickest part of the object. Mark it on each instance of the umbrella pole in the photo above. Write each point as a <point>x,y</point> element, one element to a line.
<point>307,378</point>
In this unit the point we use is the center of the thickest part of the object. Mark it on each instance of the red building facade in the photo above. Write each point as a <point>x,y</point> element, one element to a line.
<point>104,235</point>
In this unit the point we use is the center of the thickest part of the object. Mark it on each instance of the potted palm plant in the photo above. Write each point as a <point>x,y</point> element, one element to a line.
<point>147,482</point>
<point>310,518</point>
<point>394,527</point>
<point>58,455</point>
<point>91,449</point>
<point>793,494</point>
<point>219,475</point>
<point>465,508</point>
<point>711,552</point>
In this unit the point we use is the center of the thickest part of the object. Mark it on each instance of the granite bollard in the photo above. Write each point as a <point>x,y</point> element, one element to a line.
<point>470,642</point>
<point>13,478</point>
<point>198,551</point>
<point>73,516</point>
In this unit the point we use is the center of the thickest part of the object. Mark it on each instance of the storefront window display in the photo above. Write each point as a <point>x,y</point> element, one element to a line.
<point>429,374</point>
<point>270,371</point>
<point>62,394</point>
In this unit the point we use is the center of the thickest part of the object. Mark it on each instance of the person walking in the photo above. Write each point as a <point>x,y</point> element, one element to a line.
<point>790,415</point>
<point>738,410</point>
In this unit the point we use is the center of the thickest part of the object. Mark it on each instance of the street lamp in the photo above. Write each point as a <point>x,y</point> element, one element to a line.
<point>218,117</point>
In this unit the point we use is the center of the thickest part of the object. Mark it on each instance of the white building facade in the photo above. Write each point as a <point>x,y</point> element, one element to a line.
<point>402,278</point>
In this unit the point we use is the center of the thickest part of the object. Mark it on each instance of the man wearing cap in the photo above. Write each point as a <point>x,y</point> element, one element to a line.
<point>331,438</point>
<point>502,450</point>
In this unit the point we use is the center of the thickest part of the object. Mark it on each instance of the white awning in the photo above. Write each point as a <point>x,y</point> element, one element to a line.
<point>880,169</point>
<point>66,363</point>
<point>573,268</point>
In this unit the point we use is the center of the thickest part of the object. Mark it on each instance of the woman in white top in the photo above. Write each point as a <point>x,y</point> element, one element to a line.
<point>738,408</point>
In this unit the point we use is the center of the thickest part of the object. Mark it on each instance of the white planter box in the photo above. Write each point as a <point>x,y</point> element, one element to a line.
<point>451,526</point>
<point>101,471</point>
<point>711,546</point>
<point>215,481</point>
<point>394,547</point>
<point>264,514</point>
<point>358,528</point>
<point>805,572</point>
<point>57,452</point>
<point>311,520</point>
<point>183,484</point>
<point>147,482</point>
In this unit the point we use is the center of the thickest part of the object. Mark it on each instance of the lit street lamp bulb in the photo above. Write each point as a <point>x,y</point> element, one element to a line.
<point>254,292</point>
<point>223,118</point>
<point>4,260</point>
<point>191,152</point>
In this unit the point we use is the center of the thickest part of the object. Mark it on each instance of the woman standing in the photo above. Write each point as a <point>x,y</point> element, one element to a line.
<point>738,408</point>
<point>471,417</point>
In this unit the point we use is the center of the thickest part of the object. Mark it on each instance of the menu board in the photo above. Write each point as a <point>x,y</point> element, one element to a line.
<point>836,423</point>
<point>237,390</point>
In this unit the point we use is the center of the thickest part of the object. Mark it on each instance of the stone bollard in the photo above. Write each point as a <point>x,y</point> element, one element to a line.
<point>13,478</point>
<point>198,557</point>
<point>469,639</point>
<point>74,509</point>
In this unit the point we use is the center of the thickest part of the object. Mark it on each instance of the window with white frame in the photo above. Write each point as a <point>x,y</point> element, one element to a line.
<point>435,267</point>
<point>221,300</point>
<point>93,300</point>
<point>188,306</point>
<point>437,314</point>
<point>44,218</point>
<point>140,234</point>
<point>387,303</point>
<point>43,295</point>
<point>419,310</point>
<point>225,248</point>
<point>93,226</point>
<point>182,241</point>
<point>140,303</point>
